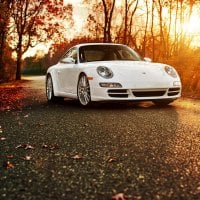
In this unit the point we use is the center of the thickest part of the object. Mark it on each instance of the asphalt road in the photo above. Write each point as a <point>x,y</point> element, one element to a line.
<point>133,150</point>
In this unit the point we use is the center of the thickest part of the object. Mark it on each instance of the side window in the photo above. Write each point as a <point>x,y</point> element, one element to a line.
<point>72,53</point>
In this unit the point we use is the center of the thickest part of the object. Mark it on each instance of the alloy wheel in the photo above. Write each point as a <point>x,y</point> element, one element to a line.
<point>84,96</point>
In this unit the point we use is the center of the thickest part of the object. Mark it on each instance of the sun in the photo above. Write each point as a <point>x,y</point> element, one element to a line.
<point>193,26</point>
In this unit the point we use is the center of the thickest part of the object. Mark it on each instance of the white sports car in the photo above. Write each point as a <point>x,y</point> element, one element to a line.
<point>103,71</point>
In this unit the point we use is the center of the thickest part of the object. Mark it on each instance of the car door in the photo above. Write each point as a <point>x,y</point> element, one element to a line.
<point>67,70</point>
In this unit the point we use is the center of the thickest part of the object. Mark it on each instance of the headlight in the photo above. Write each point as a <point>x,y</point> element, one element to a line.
<point>104,72</point>
<point>171,71</point>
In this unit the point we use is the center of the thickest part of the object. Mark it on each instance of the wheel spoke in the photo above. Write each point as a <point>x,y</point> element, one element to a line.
<point>49,88</point>
<point>83,90</point>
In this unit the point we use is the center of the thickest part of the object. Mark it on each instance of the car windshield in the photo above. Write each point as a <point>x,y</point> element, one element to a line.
<point>91,53</point>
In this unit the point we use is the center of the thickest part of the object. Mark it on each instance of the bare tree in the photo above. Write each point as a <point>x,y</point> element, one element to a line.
<point>160,5</point>
<point>108,14</point>
<point>152,29</point>
<point>145,29</point>
<point>129,12</point>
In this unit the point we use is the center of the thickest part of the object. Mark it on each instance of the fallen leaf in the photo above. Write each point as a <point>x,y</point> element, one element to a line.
<point>51,147</point>
<point>27,158</point>
<point>3,138</point>
<point>9,156</point>
<point>24,146</point>
<point>119,196</point>
<point>141,177</point>
<point>19,146</point>
<point>77,157</point>
<point>86,125</point>
<point>26,116</point>
<point>29,147</point>
<point>111,160</point>
<point>8,165</point>
<point>44,146</point>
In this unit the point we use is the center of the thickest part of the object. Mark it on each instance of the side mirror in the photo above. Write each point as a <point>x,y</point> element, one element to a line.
<point>147,59</point>
<point>68,61</point>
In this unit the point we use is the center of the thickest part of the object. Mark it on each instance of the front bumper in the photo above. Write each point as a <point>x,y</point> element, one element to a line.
<point>165,91</point>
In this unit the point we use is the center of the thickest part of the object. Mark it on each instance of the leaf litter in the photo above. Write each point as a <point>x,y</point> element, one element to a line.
<point>24,146</point>
<point>77,157</point>
<point>8,165</point>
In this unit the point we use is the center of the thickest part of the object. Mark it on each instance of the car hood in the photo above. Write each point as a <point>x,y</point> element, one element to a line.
<point>131,68</point>
<point>136,73</point>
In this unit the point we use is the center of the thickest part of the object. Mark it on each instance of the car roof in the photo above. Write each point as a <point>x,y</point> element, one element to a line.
<point>91,44</point>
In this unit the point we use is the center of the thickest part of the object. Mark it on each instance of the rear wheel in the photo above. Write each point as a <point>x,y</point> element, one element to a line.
<point>162,102</point>
<point>50,91</point>
<point>83,91</point>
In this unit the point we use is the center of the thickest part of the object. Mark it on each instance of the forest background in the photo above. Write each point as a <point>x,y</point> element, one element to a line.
<point>35,34</point>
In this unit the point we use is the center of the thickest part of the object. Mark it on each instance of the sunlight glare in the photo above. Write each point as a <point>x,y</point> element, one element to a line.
<point>71,2</point>
<point>193,26</point>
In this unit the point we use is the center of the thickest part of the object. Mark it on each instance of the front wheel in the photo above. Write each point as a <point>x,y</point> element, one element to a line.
<point>83,91</point>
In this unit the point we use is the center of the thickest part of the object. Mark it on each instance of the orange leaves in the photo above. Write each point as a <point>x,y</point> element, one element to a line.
<point>10,97</point>
<point>8,165</point>
<point>27,158</point>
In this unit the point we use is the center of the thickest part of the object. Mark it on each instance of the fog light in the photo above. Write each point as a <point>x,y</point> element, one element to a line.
<point>177,83</point>
<point>111,85</point>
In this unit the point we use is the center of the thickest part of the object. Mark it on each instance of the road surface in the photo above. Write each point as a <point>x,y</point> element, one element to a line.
<point>62,151</point>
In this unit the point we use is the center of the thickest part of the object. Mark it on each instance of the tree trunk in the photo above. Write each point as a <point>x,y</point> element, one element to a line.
<point>108,21</point>
<point>19,58</point>
<point>168,45</point>
<point>105,21</point>
<point>175,31</point>
<point>125,22</point>
<point>18,69</point>
<point>162,40</point>
<point>2,45</point>
<point>152,32</point>
<point>145,31</point>
<point>131,22</point>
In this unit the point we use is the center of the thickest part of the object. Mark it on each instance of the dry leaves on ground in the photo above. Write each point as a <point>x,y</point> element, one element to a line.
<point>24,146</point>
<point>8,165</point>
<point>77,157</point>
